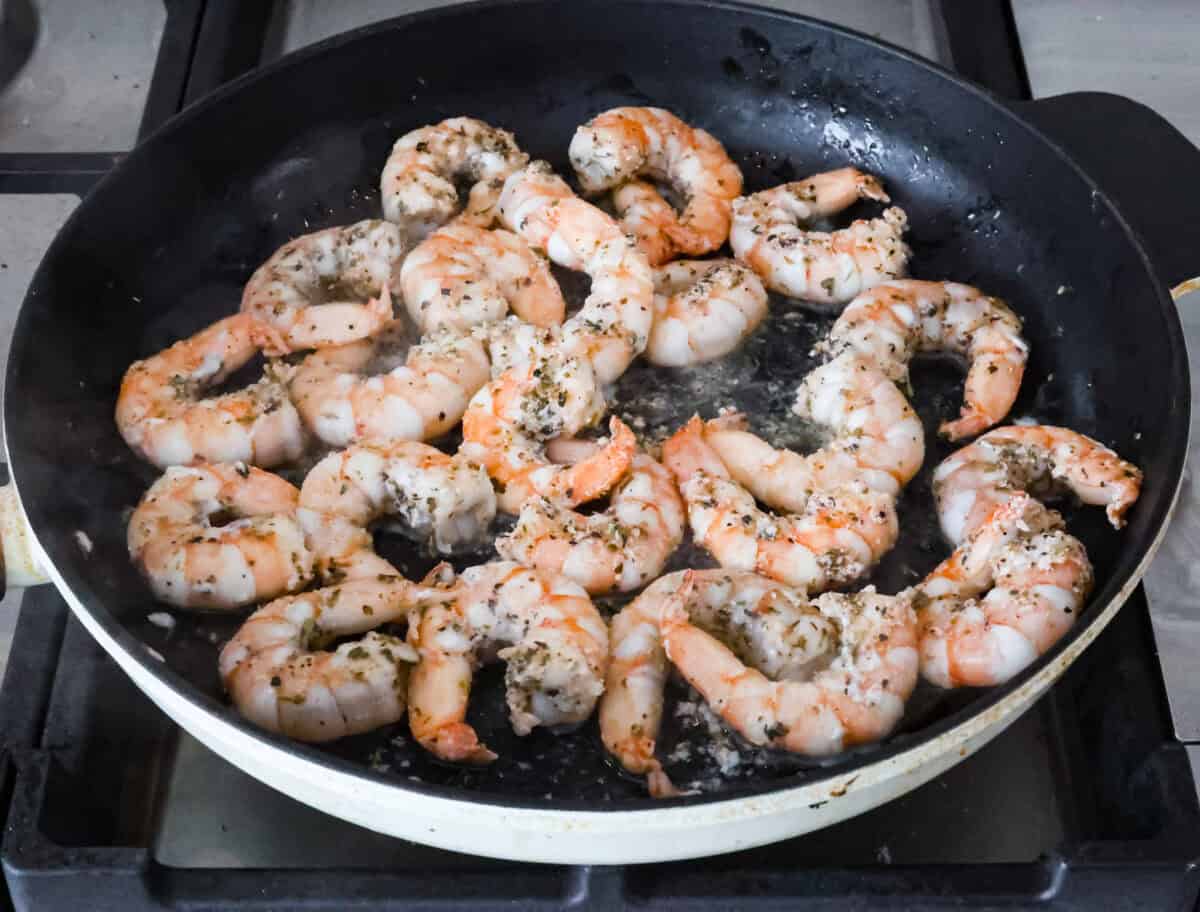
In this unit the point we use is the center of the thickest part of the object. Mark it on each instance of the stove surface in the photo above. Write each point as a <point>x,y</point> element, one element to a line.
<point>74,76</point>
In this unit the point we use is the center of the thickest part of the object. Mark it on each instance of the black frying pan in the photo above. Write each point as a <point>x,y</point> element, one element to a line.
<point>163,245</point>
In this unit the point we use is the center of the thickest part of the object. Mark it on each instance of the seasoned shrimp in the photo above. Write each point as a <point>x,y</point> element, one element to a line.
<point>613,326</point>
<point>648,218</point>
<point>1036,578</point>
<point>619,549</point>
<point>892,322</point>
<point>857,697</point>
<point>219,536</point>
<point>509,420</point>
<point>556,650</point>
<point>282,679</point>
<point>447,500</point>
<point>418,180</point>
<point>622,143</point>
<point>770,625</point>
<point>164,418</point>
<point>872,423</point>
<point>824,268</point>
<point>462,275</point>
<point>326,288</point>
<point>351,393</point>
<point>970,483</point>
<point>877,439</point>
<point>702,310</point>
<point>835,539</point>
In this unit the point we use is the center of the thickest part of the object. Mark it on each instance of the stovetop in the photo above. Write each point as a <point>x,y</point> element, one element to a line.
<point>1088,799</point>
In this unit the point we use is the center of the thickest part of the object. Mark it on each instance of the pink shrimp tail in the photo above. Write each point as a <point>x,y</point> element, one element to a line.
<point>687,453</point>
<point>674,608</point>
<point>269,339</point>
<point>457,743</point>
<point>381,307</point>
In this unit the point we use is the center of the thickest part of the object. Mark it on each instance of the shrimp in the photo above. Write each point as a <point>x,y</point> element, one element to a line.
<point>619,549</point>
<point>892,322</point>
<point>556,650</point>
<point>872,423</point>
<point>648,218</point>
<point>1036,578</point>
<point>447,500</point>
<point>613,326</point>
<point>507,422</point>
<point>823,268</point>
<point>164,418</point>
<point>702,310</point>
<point>877,439</point>
<point>772,626</point>
<point>418,181</point>
<point>219,536</point>
<point>347,393</point>
<point>326,288</point>
<point>834,540</point>
<point>856,698</point>
<point>619,144</point>
<point>281,678</point>
<point>970,483</point>
<point>462,275</point>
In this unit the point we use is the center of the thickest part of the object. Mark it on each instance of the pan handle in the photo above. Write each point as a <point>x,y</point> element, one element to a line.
<point>20,566</point>
<point>1157,202</point>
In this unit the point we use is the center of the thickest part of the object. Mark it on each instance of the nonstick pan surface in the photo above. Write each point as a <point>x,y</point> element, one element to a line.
<point>163,245</point>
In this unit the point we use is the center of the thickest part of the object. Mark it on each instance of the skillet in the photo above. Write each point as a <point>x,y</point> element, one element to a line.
<point>163,244</point>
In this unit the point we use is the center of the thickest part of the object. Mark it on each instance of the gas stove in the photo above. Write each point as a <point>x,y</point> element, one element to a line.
<point>1089,800</point>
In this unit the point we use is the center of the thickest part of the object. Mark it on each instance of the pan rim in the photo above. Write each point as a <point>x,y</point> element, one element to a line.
<point>898,746</point>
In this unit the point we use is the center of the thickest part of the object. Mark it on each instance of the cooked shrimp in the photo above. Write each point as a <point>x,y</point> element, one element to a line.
<point>447,500</point>
<point>857,697</point>
<point>1036,578</point>
<point>418,180</point>
<point>620,144</point>
<point>702,310</point>
<point>835,539</point>
<point>556,649</point>
<point>970,483</point>
<point>612,327</point>
<point>282,679</point>
<point>824,268</point>
<point>462,275</point>
<point>512,342</point>
<point>509,420</point>
<point>163,416</point>
<point>648,218</point>
<point>892,322</point>
<point>219,536</point>
<point>872,423</point>
<point>877,439</point>
<point>326,288</point>
<point>619,549</point>
<point>352,392</point>
<point>771,626</point>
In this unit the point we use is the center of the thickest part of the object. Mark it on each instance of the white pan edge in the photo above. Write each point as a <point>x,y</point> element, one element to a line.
<point>597,837</point>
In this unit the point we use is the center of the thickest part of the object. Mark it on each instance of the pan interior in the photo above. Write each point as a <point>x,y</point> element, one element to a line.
<point>164,245</point>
